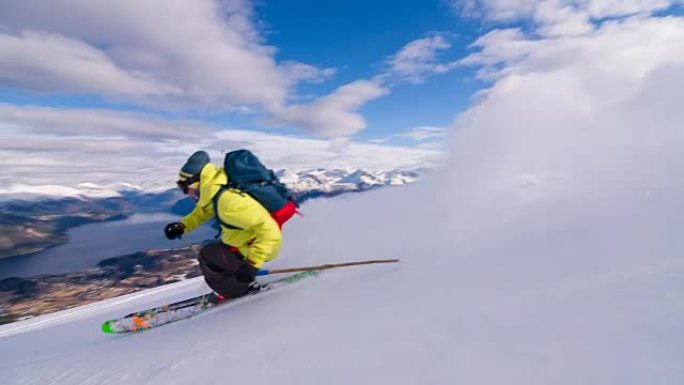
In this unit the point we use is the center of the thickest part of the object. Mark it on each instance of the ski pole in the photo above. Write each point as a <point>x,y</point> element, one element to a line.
<point>308,268</point>
<point>189,245</point>
<point>324,267</point>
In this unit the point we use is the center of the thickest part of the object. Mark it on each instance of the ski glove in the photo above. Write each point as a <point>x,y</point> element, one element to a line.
<point>174,230</point>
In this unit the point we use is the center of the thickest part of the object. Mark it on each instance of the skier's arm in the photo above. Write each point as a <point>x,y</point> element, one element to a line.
<point>266,245</point>
<point>197,217</point>
<point>262,228</point>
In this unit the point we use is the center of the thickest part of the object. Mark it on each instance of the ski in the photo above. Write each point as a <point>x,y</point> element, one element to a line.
<point>165,314</point>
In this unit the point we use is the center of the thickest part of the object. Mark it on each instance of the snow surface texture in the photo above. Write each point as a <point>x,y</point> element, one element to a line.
<point>542,283</point>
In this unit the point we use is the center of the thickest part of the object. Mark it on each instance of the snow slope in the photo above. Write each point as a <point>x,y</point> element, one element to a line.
<point>591,299</point>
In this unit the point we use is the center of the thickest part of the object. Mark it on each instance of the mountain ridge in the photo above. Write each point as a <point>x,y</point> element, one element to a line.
<point>324,180</point>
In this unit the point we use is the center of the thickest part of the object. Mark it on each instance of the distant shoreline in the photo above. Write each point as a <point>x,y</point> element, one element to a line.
<point>22,298</point>
<point>56,236</point>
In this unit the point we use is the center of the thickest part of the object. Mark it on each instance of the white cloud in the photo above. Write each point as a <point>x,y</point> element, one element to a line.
<point>334,115</point>
<point>418,59</point>
<point>558,17</point>
<point>437,146</point>
<point>203,52</point>
<point>498,10</point>
<point>582,111</point>
<point>617,49</point>
<point>97,123</point>
<point>48,62</point>
<point>561,18</point>
<point>606,8</point>
<point>512,10</point>
<point>297,72</point>
<point>41,145</point>
<point>379,140</point>
<point>423,133</point>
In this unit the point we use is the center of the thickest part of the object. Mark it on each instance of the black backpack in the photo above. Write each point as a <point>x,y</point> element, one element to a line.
<point>246,173</point>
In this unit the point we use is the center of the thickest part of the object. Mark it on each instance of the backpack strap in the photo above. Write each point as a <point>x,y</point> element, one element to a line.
<point>215,200</point>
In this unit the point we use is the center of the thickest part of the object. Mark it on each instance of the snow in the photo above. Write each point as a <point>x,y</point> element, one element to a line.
<point>79,191</point>
<point>578,297</point>
<point>28,192</point>
<point>344,180</point>
<point>361,177</point>
<point>88,190</point>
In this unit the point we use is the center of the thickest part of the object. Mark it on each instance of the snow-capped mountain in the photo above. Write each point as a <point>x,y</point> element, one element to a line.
<point>339,180</point>
<point>317,181</point>
<point>363,178</point>
<point>79,191</point>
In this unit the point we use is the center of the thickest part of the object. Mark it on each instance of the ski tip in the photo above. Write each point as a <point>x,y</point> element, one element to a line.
<point>107,328</point>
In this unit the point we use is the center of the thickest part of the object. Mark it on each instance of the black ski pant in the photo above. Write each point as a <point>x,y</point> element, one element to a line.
<point>226,271</point>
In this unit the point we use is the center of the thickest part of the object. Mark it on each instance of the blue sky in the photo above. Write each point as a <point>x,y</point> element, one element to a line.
<point>305,84</point>
<point>357,37</point>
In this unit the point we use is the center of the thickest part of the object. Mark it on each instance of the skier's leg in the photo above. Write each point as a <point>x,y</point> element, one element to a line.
<point>225,271</point>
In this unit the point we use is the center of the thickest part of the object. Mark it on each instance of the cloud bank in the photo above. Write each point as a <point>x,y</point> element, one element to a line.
<point>580,107</point>
<point>202,54</point>
<point>41,145</point>
<point>199,52</point>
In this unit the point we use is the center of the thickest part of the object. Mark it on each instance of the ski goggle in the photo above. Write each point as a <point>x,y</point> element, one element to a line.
<point>183,185</point>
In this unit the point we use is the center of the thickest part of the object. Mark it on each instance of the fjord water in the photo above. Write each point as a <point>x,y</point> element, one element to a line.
<point>91,243</point>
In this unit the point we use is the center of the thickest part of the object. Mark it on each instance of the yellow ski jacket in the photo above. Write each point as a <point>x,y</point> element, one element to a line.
<point>252,229</point>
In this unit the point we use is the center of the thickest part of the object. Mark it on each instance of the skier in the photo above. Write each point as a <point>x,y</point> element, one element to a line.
<point>250,234</point>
